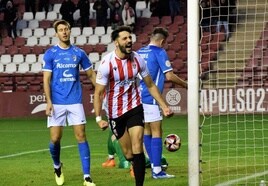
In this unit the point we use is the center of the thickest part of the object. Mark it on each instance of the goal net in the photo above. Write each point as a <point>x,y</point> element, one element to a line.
<point>233,92</point>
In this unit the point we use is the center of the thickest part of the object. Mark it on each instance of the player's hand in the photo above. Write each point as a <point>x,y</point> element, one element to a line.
<point>103,124</point>
<point>49,109</point>
<point>167,112</point>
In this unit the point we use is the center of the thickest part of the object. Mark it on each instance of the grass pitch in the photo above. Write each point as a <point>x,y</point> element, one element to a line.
<point>234,152</point>
<point>25,159</point>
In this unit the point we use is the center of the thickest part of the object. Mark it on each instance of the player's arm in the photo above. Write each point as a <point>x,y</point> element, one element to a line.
<point>47,90</point>
<point>98,99</point>
<point>170,76</point>
<point>154,91</point>
<point>91,75</point>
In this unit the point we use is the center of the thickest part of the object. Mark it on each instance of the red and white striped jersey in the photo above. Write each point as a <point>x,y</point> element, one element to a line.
<point>120,76</point>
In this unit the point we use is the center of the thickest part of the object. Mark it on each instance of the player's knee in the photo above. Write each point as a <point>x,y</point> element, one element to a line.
<point>80,137</point>
<point>137,148</point>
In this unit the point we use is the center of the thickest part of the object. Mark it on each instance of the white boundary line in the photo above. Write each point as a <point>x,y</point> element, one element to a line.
<point>32,152</point>
<point>242,179</point>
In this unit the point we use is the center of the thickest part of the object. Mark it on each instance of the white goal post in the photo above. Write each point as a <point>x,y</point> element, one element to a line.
<point>193,88</point>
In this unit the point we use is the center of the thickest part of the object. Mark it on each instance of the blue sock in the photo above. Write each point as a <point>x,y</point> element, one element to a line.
<point>156,151</point>
<point>55,152</point>
<point>84,156</point>
<point>147,140</point>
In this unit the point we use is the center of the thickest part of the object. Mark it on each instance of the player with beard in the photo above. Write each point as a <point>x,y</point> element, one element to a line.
<point>117,76</point>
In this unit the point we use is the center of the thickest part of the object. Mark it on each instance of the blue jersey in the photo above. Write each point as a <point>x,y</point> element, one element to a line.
<point>64,64</point>
<point>158,64</point>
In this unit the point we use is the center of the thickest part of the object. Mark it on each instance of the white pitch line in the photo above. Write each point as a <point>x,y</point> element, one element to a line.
<point>32,152</point>
<point>243,179</point>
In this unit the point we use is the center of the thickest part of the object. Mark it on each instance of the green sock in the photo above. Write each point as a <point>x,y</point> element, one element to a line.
<point>110,146</point>
<point>118,151</point>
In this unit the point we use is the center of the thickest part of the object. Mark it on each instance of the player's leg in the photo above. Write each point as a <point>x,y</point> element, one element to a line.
<point>135,125</point>
<point>55,148</point>
<point>136,135</point>
<point>84,152</point>
<point>156,145</point>
<point>110,162</point>
<point>158,172</point>
<point>153,141</point>
<point>54,145</point>
<point>147,140</point>
<point>55,124</point>
<point>153,117</point>
<point>123,163</point>
<point>76,118</point>
<point>126,147</point>
<point>164,163</point>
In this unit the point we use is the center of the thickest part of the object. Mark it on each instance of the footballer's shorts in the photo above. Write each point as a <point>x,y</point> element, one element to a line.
<point>130,119</point>
<point>62,115</point>
<point>152,113</point>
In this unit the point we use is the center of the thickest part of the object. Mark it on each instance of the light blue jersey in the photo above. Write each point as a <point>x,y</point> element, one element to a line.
<point>64,64</point>
<point>158,64</point>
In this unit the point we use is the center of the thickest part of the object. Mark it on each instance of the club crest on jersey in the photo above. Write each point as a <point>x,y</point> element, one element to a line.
<point>134,65</point>
<point>115,68</point>
<point>168,63</point>
<point>74,57</point>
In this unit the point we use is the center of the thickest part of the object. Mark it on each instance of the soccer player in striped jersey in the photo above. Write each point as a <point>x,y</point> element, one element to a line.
<point>117,76</point>
<point>62,87</point>
<point>160,69</point>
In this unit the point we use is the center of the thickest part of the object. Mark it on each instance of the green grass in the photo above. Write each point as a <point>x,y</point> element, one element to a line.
<point>28,140</point>
<point>233,147</point>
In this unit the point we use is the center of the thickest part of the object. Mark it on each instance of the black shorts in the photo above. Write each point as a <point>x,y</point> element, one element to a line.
<point>130,119</point>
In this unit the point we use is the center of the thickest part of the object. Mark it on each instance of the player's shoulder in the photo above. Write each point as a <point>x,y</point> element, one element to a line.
<point>156,48</point>
<point>144,48</point>
<point>52,49</point>
<point>77,49</point>
<point>108,57</point>
<point>136,55</point>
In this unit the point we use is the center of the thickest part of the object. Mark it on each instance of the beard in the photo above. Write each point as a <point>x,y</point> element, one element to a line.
<point>125,50</point>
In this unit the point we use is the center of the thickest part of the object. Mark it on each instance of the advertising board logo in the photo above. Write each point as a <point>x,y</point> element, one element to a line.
<point>39,108</point>
<point>173,97</point>
<point>39,101</point>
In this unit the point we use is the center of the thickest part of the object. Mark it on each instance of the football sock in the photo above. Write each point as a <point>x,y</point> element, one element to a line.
<point>84,157</point>
<point>111,150</point>
<point>55,153</point>
<point>118,151</point>
<point>139,168</point>
<point>147,140</point>
<point>157,154</point>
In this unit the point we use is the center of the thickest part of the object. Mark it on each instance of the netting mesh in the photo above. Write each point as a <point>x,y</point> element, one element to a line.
<point>233,98</point>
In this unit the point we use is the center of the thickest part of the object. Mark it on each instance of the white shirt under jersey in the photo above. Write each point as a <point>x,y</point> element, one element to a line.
<point>120,76</point>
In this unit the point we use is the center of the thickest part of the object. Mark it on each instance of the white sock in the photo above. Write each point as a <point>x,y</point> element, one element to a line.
<point>86,175</point>
<point>156,170</point>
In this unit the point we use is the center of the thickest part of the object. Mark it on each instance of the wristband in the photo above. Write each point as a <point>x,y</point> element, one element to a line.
<point>98,119</point>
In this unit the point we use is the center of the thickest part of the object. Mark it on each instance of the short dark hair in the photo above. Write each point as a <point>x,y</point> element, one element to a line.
<point>160,30</point>
<point>115,33</point>
<point>60,22</point>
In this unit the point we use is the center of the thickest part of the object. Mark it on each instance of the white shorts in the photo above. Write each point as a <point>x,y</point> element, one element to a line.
<point>152,113</point>
<point>62,114</point>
